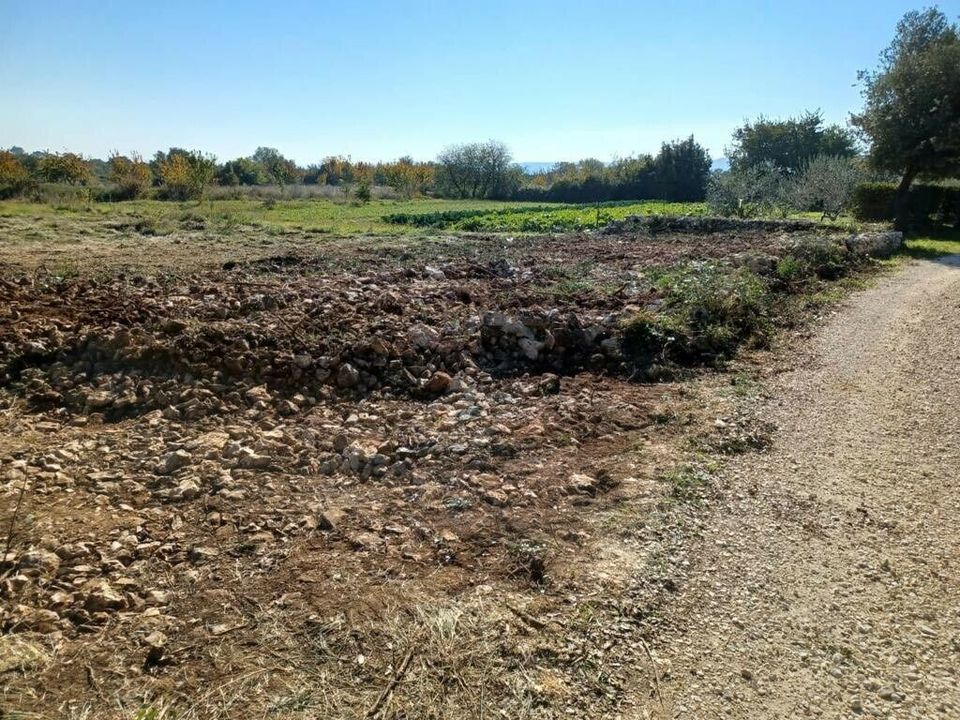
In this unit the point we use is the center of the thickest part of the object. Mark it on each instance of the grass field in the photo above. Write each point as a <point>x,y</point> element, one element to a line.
<point>343,218</point>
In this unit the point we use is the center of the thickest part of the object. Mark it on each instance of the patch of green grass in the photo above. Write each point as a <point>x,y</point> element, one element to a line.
<point>934,244</point>
<point>543,218</point>
<point>689,482</point>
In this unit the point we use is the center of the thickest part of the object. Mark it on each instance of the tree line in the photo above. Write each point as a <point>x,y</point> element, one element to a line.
<point>478,170</point>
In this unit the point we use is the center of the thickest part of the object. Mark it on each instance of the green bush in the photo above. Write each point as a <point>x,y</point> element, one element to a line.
<point>927,204</point>
<point>873,202</point>
<point>708,310</point>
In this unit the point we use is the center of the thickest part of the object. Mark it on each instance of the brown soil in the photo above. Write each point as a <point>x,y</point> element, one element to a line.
<point>387,478</point>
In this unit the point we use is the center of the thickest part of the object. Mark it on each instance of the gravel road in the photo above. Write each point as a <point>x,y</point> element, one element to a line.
<point>828,579</point>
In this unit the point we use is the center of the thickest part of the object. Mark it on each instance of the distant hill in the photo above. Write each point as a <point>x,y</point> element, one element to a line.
<point>720,164</point>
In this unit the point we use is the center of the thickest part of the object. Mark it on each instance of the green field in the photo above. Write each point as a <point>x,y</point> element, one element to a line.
<point>345,218</point>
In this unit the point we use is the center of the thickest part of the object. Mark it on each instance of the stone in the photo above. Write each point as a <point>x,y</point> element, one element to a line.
<point>250,460</point>
<point>38,620</point>
<point>549,384</point>
<point>173,461</point>
<point>329,518</point>
<point>187,490</point>
<point>156,597</point>
<point>40,562</point>
<point>530,347</point>
<point>101,596</point>
<point>438,383</point>
<point>199,554</point>
<point>347,376</point>
<point>423,337</point>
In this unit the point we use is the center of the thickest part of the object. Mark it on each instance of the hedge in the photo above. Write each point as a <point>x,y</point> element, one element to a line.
<point>927,204</point>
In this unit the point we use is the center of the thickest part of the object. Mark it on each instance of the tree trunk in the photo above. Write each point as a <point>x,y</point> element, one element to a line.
<point>901,213</point>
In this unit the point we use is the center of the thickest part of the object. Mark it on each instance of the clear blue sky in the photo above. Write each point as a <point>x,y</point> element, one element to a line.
<point>376,79</point>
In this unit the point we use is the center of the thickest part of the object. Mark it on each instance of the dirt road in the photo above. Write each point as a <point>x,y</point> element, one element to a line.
<point>828,580</point>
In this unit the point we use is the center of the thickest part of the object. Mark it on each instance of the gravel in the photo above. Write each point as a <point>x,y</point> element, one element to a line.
<point>829,569</point>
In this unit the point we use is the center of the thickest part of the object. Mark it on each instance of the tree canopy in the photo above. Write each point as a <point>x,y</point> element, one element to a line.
<point>787,145</point>
<point>911,113</point>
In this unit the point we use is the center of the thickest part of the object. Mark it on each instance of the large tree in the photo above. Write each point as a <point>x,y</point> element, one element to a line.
<point>681,170</point>
<point>477,170</point>
<point>911,114</point>
<point>787,145</point>
<point>280,169</point>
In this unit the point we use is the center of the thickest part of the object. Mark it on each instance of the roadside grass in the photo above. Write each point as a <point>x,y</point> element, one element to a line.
<point>934,244</point>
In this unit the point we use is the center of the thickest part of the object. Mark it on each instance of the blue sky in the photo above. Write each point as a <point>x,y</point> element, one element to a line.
<point>557,80</point>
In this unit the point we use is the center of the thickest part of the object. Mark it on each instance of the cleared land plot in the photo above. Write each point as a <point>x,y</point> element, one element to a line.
<point>321,478</point>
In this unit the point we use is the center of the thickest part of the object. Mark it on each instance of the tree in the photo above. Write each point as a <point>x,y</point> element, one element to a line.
<point>13,175</point>
<point>132,175</point>
<point>477,170</point>
<point>826,184</point>
<point>242,171</point>
<point>63,168</point>
<point>186,174</point>
<point>681,170</point>
<point>787,144</point>
<point>278,168</point>
<point>911,113</point>
<point>745,192</point>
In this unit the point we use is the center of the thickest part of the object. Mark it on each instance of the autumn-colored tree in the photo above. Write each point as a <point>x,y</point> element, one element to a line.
<point>405,176</point>
<point>186,174</point>
<point>13,175</point>
<point>132,175</point>
<point>64,168</point>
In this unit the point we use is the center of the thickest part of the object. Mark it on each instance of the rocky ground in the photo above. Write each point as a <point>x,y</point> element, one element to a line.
<point>364,479</point>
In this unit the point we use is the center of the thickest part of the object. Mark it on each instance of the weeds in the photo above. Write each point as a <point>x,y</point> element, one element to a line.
<point>707,311</point>
<point>689,482</point>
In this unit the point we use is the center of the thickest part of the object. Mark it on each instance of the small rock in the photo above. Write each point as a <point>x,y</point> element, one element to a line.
<point>438,384</point>
<point>101,597</point>
<point>40,562</point>
<point>347,376</point>
<point>173,461</point>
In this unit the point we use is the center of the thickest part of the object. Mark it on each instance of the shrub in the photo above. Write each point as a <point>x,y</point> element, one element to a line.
<point>825,184</point>
<point>362,192</point>
<point>131,175</point>
<point>873,202</point>
<point>14,177</point>
<point>185,175</point>
<point>708,310</point>
<point>820,257</point>
<point>745,193</point>
<point>64,168</point>
<point>926,204</point>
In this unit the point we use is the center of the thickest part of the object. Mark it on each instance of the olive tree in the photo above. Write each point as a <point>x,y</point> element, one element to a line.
<point>745,192</point>
<point>477,170</point>
<point>825,184</point>
<point>911,113</point>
